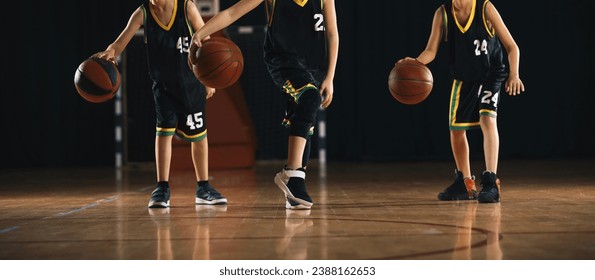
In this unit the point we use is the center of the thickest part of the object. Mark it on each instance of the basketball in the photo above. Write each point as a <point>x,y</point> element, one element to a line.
<point>410,81</point>
<point>97,80</point>
<point>218,63</point>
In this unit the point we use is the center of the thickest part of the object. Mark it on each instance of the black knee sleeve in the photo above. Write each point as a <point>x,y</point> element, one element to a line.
<point>305,113</point>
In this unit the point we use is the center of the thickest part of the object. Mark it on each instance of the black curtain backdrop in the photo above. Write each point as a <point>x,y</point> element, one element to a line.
<point>47,124</point>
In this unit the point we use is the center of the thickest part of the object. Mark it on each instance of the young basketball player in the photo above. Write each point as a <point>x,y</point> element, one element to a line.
<point>179,98</point>
<point>300,51</point>
<point>473,33</point>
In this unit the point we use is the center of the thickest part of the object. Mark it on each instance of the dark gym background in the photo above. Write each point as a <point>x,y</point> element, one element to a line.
<point>46,124</point>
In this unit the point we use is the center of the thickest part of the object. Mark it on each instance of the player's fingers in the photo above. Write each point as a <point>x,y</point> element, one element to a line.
<point>522,87</point>
<point>113,60</point>
<point>328,98</point>
<point>517,89</point>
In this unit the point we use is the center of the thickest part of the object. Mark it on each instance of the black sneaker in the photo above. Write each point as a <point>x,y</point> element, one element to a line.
<point>293,184</point>
<point>460,189</point>
<point>490,188</point>
<point>159,197</point>
<point>209,196</point>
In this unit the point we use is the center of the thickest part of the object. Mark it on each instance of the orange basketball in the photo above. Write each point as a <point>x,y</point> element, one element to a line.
<point>410,81</point>
<point>218,63</point>
<point>97,80</point>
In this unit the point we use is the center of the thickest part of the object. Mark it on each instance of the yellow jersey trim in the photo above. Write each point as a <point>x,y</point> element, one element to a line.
<point>455,97</point>
<point>192,137</point>
<point>488,112</point>
<point>469,21</point>
<point>296,93</point>
<point>186,18</point>
<point>171,20</point>
<point>301,3</point>
<point>490,31</point>
<point>161,129</point>
<point>445,23</point>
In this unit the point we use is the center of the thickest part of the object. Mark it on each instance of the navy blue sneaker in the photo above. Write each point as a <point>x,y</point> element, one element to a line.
<point>159,197</point>
<point>460,189</point>
<point>209,196</point>
<point>490,188</point>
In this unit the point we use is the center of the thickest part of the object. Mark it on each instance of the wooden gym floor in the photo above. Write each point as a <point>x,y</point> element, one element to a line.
<point>380,211</point>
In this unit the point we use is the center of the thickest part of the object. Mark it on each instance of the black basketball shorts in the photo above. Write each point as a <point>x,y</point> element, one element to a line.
<point>470,100</point>
<point>180,110</point>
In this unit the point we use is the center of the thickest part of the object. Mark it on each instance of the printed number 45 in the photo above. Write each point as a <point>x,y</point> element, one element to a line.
<point>194,121</point>
<point>183,44</point>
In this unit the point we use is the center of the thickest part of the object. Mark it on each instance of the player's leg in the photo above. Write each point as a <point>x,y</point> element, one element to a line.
<point>166,125</point>
<point>460,151</point>
<point>491,142</point>
<point>295,151</point>
<point>200,158</point>
<point>461,118</point>
<point>489,95</point>
<point>302,113</point>
<point>192,127</point>
<point>463,186</point>
<point>205,193</point>
<point>163,152</point>
<point>161,193</point>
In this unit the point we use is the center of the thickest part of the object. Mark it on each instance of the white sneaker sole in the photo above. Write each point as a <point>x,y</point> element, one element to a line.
<point>201,201</point>
<point>153,204</point>
<point>298,206</point>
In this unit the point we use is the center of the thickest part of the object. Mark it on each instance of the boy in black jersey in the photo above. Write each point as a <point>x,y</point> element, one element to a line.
<point>300,51</point>
<point>474,34</point>
<point>179,98</point>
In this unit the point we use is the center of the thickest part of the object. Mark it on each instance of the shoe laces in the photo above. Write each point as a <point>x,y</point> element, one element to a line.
<point>159,191</point>
<point>210,190</point>
<point>488,187</point>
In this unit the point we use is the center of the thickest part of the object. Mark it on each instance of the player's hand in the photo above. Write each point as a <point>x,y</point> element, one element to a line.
<point>196,40</point>
<point>195,44</point>
<point>514,85</point>
<point>210,91</point>
<point>108,55</point>
<point>193,52</point>
<point>326,89</point>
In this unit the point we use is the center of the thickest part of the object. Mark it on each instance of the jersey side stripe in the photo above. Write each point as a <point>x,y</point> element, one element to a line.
<point>491,32</point>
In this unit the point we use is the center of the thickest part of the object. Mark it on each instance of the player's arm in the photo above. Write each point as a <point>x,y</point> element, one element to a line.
<point>514,85</point>
<point>433,44</point>
<point>117,47</point>
<point>332,34</point>
<point>197,23</point>
<point>195,17</point>
<point>224,19</point>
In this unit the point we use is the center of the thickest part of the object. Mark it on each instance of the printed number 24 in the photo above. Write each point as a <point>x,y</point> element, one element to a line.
<point>490,97</point>
<point>481,47</point>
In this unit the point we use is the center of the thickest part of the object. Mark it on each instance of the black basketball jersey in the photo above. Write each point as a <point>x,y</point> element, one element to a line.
<point>295,36</point>
<point>167,44</point>
<point>475,53</point>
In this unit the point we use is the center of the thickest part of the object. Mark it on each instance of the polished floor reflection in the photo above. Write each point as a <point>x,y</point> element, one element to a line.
<point>379,211</point>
